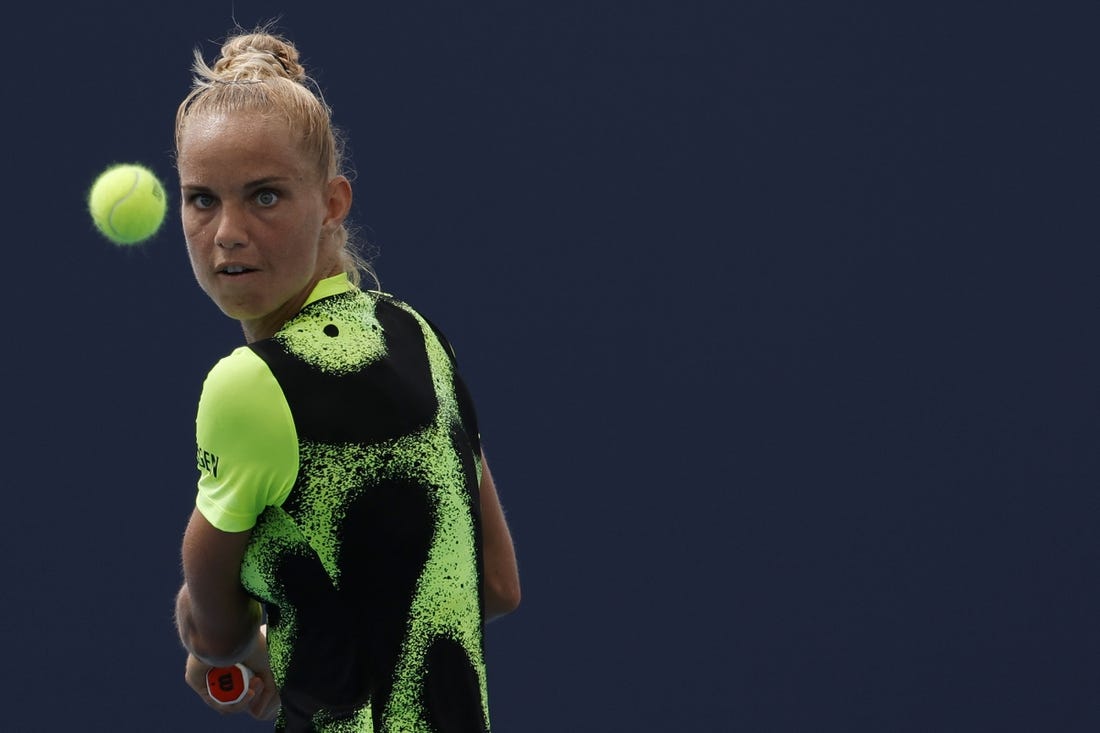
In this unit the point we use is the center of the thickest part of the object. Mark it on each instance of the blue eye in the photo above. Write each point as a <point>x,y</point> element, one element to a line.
<point>267,198</point>
<point>202,200</point>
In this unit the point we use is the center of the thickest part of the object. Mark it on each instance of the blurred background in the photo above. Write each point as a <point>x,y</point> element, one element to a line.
<point>780,317</point>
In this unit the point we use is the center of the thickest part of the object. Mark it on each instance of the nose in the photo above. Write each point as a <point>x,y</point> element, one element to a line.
<point>231,232</point>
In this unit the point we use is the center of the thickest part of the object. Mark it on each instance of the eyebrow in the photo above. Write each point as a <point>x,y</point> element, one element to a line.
<point>257,183</point>
<point>267,180</point>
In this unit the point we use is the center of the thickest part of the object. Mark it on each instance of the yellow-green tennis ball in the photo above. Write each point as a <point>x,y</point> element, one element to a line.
<point>127,203</point>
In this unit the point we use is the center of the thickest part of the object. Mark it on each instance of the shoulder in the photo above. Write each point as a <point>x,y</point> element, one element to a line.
<point>427,325</point>
<point>239,388</point>
<point>241,364</point>
<point>234,373</point>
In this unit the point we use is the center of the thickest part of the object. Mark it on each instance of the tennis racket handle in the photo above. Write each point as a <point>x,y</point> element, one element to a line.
<point>228,685</point>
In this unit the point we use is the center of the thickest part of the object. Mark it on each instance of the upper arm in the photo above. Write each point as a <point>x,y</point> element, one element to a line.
<point>217,618</point>
<point>500,571</point>
<point>247,442</point>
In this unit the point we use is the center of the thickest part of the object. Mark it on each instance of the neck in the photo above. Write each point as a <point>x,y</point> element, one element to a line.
<point>262,328</point>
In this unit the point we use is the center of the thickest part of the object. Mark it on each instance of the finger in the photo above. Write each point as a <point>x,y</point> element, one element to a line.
<point>265,705</point>
<point>242,706</point>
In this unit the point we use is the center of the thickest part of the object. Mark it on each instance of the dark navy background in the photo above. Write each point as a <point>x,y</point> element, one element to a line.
<point>780,316</point>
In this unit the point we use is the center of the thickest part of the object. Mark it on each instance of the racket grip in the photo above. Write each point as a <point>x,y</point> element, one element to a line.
<point>228,685</point>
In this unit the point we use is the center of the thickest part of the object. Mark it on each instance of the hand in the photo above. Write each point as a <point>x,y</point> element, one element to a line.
<point>262,699</point>
<point>262,688</point>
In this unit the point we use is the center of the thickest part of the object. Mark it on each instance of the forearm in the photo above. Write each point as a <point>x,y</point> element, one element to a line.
<point>219,641</point>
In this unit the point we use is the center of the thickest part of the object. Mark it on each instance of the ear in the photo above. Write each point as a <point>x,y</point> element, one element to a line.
<point>337,203</point>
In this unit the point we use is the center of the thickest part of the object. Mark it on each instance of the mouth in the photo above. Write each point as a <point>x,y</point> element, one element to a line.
<point>234,270</point>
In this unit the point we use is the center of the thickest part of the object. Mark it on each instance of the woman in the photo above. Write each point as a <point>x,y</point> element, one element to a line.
<point>347,543</point>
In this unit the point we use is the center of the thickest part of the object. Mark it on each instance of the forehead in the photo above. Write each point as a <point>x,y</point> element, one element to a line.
<point>217,145</point>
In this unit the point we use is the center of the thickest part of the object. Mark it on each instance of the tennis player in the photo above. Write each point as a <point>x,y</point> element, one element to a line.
<point>344,499</point>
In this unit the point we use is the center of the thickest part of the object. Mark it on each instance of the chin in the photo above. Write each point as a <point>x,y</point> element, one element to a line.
<point>237,311</point>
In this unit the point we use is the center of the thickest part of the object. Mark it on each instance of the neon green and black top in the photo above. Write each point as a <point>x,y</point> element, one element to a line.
<point>348,445</point>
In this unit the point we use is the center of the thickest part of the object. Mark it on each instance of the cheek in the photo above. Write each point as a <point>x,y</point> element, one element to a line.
<point>192,234</point>
<point>195,230</point>
<point>190,216</point>
<point>194,244</point>
<point>197,253</point>
<point>196,264</point>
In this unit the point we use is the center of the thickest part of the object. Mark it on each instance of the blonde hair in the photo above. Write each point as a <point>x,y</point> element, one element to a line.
<point>260,71</point>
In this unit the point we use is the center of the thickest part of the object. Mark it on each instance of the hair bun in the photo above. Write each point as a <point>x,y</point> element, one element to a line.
<point>258,56</point>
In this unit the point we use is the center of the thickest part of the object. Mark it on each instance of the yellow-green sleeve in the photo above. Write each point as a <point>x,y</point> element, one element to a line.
<point>247,443</point>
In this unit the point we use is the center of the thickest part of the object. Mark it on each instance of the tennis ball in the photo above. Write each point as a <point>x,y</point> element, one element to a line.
<point>127,203</point>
